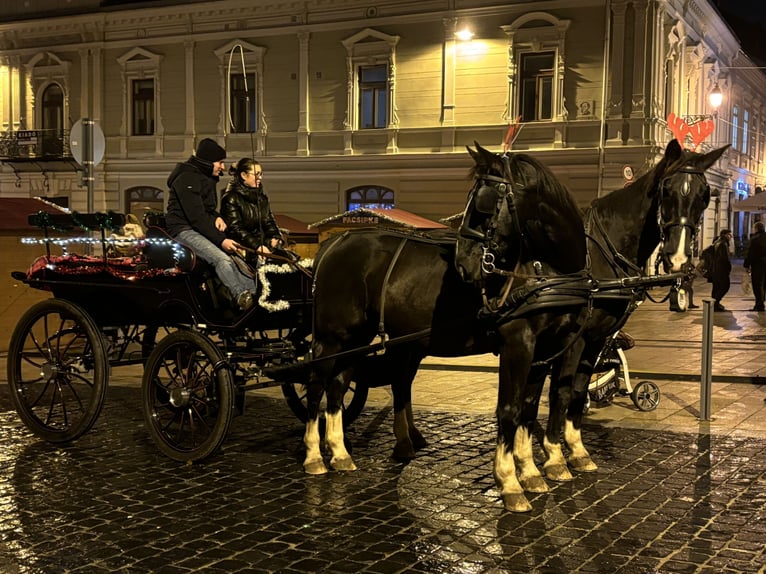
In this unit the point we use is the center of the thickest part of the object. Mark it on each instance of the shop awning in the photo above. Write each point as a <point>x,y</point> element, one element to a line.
<point>755,202</point>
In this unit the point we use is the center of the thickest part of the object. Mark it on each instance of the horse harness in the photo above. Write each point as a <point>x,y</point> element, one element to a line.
<point>557,292</point>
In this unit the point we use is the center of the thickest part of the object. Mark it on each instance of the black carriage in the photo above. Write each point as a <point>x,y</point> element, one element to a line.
<point>149,302</point>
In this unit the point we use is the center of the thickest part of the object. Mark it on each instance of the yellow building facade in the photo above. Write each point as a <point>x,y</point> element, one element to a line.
<point>347,101</point>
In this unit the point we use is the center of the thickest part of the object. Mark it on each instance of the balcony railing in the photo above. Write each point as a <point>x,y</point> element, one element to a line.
<point>34,145</point>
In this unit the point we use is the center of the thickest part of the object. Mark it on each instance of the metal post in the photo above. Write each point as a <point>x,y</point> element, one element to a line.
<point>87,158</point>
<point>706,371</point>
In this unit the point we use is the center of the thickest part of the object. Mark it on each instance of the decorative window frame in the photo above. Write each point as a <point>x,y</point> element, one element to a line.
<point>253,60</point>
<point>369,47</point>
<point>379,190</point>
<point>140,64</point>
<point>549,38</point>
<point>42,70</point>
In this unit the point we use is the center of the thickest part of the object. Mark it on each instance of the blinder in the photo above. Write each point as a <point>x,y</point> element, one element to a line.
<point>665,190</point>
<point>485,200</point>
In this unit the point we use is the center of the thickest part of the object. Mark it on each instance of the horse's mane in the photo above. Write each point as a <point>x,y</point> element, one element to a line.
<point>545,184</point>
<point>550,216</point>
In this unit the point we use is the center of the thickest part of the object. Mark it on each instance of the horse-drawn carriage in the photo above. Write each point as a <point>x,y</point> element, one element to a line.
<point>149,301</point>
<point>528,277</point>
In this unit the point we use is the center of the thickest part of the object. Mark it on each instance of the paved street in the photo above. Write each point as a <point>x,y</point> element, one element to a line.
<point>673,494</point>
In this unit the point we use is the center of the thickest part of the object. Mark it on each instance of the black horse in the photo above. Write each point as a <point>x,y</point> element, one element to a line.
<point>402,290</point>
<point>663,208</point>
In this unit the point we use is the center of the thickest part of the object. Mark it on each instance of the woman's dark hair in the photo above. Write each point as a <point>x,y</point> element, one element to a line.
<point>245,165</point>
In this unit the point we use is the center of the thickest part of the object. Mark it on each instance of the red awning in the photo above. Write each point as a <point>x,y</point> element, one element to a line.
<point>14,212</point>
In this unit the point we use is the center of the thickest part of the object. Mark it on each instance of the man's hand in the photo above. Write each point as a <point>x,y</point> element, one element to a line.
<point>220,224</point>
<point>231,246</point>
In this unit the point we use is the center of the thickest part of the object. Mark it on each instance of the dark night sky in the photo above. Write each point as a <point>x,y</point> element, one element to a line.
<point>747,18</point>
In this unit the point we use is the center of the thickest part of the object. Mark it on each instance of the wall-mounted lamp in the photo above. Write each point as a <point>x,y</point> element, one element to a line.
<point>716,97</point>
<point>464,35</point>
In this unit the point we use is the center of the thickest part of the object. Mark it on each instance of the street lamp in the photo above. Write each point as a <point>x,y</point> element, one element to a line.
<point>715,98</point>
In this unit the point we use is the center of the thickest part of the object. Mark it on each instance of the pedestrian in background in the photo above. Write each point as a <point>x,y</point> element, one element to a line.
<point>755,263</point>
<point>721,272</point>
<point>687,284</point>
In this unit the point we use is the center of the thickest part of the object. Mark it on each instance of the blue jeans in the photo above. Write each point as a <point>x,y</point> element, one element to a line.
<point>225,268</point>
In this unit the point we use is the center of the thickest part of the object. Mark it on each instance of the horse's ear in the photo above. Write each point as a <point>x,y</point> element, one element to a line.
<point>673,151</point>
<point>474,155</point>
<point>711,157</point>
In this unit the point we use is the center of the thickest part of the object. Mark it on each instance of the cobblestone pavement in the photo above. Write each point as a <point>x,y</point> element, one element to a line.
<point>673,493</point>
<point>660,502</point>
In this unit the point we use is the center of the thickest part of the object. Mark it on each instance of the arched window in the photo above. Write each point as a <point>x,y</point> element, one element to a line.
<point>138,200</point>
<point>373,196</point>
<point>53,120</point>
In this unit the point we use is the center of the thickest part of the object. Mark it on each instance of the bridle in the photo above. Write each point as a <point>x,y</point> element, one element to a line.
<point>679,221</point>
<point>487,197</point>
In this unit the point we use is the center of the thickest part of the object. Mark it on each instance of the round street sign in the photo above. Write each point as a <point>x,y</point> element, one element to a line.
<point>77,142</point>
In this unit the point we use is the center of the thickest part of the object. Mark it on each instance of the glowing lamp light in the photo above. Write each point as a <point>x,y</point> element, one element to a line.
<point>464,35</point>
<point>716,97</point>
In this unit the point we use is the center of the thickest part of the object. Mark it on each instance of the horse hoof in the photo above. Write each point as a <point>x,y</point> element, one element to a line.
<point>534,484</point>
<point>516,502</point>
<point>316,467</point>
<point>403,452</point>
<point>558,472</point>
<point>343,464</point>
<point>418,442</point>
<point>583,464</point>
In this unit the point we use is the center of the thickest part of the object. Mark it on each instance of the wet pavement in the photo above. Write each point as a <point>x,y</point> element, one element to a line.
<point>659,502</point>
<point>672,494</point>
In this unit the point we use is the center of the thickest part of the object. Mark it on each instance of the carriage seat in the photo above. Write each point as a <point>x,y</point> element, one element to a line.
<point>164,252</point>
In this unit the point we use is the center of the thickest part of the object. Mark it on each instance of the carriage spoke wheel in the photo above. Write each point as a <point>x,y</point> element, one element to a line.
<point>188,396</point>
<point>353,401</point>
<point>646,396</point>
<point>57,370</point>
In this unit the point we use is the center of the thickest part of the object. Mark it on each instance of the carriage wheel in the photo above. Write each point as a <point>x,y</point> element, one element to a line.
<point>149,338</point>
<point>353,401</point>
<point>57,370</point>
<point>187,396</point>
<point>646,396</point>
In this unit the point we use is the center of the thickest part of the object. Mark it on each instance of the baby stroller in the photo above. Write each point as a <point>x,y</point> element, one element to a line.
<point>611,377</point>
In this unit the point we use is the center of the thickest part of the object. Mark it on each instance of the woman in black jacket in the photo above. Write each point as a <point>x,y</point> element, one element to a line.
<point>246,210</point>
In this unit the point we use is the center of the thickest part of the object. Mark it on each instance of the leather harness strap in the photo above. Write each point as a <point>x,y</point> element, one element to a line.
<point>381,323</point>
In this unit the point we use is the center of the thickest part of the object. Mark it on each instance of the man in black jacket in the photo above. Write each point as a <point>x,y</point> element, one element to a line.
<point>755,263</point>
<point>720,276</point>
<point>192,217</point>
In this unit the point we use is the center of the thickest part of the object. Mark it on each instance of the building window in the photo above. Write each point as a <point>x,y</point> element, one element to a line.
<point>735,127</point>
<point>139,200</point>
<point>370,196</point>
<point>536,67</point>
<point>142,92</point>
<point>370,66</point>
<point>242,103</point>
<point>242,79</point>
<point>53,121</point>
<point>536,86</point>
<point>373,97</point>
<point>745,131</point>
<point>143,107</point>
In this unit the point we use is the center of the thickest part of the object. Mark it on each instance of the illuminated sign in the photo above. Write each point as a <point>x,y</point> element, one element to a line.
<point>360,219</point>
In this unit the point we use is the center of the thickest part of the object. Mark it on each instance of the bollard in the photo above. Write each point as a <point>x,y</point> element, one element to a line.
<point>706,371</point>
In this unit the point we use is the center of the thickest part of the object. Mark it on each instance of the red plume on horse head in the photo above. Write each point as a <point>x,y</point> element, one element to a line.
<point>698,130</point>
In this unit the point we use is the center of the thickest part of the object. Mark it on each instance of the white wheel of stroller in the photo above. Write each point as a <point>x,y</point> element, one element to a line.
<point>646,396</point>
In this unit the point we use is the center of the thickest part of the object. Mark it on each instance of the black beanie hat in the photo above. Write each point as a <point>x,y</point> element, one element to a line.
<point>208,150</point>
